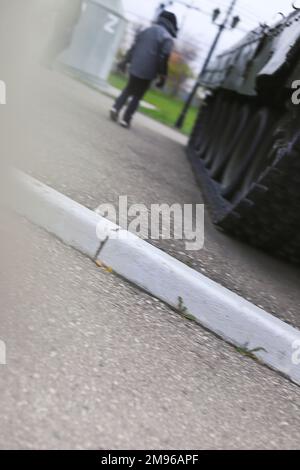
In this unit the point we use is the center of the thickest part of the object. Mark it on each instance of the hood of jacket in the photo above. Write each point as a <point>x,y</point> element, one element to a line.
<point>168,25</point>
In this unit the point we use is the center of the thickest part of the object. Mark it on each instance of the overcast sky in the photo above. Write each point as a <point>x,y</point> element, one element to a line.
<point>198,27</point>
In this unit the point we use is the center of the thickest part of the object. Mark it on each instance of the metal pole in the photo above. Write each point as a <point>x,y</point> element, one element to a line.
<point>181,119</point>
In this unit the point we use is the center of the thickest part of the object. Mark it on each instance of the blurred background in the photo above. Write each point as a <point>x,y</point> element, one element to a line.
<point>197,21</point>
<point>90,37</point>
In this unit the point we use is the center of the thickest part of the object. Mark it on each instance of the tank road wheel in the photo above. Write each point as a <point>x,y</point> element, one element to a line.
<point>232,134</point>
<point>216,121</point>
<point>203,125</point>
<point>266,212</point>
<point>216,130</point>
<point>245,151</point>
<point>264,157</point>
<point>252,185</point>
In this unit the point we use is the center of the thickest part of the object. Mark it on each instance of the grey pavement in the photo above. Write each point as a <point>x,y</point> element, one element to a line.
<point>74,148</point>
<point>94,363</point>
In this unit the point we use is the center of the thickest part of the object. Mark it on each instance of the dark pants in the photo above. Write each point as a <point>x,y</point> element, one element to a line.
<point>135,89</point>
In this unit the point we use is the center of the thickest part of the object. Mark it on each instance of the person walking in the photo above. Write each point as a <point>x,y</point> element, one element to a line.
<point>148,59</point>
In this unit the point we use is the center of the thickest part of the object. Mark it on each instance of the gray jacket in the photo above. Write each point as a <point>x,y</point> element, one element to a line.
<point>150,54</point>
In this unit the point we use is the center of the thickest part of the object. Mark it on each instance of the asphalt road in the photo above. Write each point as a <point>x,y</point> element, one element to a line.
<point>93,363</point>
<point>70,144</point>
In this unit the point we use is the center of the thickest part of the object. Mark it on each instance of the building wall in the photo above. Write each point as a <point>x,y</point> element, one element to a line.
<point>96,40</point>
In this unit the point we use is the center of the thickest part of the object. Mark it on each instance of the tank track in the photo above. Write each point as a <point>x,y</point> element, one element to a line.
<point>266,213</point>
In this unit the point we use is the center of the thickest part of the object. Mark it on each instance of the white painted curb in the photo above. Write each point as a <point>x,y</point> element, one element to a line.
<point>216,308</point>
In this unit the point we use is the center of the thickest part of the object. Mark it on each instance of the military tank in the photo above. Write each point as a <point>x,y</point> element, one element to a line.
<point>245,145</point>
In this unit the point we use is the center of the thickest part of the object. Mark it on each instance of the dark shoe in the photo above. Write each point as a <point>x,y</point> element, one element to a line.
<point>125,124</point>
<point>114,114</point>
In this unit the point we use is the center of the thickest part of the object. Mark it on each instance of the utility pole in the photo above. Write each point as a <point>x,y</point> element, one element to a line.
<point>221,28</point>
